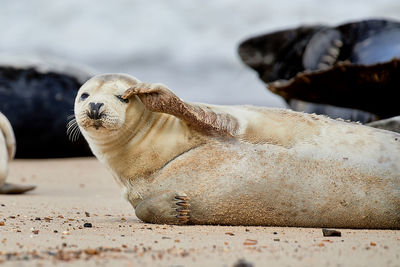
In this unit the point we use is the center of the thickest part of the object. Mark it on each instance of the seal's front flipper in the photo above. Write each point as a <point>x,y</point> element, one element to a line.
<point>8,188</point>
<point>167,208</point>
<point>205,118</point>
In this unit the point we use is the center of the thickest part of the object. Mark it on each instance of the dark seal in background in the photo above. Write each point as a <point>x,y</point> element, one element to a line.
<point>350,71</point>
<point>37,100</point>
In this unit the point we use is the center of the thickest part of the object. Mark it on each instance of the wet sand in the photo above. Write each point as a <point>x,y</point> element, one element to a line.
<point>51,225</point>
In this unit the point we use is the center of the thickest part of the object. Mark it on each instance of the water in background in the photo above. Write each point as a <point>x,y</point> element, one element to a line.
<point>188,45</point>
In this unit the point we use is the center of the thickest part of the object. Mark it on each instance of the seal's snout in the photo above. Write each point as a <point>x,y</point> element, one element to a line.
<point>94,110</point>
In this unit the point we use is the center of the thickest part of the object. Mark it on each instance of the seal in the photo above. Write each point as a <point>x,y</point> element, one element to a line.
<point>46,89</point>
<point>192,163</point>
<point>7,152</point>
<point>390,124</point>
<point>352,66</point>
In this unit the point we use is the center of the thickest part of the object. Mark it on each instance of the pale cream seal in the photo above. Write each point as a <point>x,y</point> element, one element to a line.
<point>7,152</point>
<point>193,163</point>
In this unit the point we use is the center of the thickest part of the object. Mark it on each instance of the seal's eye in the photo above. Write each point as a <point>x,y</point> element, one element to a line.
<point>84,96</point>
<point>121,99</point>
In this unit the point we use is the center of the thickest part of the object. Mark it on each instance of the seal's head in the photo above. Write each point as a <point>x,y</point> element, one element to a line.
<point>100,111</point>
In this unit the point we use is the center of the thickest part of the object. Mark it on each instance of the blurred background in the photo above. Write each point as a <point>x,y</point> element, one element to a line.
<point>191,46</point>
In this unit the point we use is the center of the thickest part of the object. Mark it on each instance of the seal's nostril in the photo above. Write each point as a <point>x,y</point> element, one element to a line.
<point>94,112</point>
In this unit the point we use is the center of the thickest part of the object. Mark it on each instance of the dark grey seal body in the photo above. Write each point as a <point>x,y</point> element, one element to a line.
<point>354,65</point>
<point>37,102</point>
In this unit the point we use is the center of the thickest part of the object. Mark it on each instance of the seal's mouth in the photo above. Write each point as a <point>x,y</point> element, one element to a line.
<point>94,120</point>
<point>87,122</point>
<point>97,124</point>
<point>106,123</point>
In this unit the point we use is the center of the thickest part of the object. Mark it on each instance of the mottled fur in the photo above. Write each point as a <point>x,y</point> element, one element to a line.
<point>240,165</point>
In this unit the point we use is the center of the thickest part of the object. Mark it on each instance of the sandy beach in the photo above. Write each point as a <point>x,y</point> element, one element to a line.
<point>77,216</point>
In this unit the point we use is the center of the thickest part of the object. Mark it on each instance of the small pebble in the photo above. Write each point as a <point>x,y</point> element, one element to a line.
<point>249,242</point>
<point>328,232</point>
<point>87,225</point>
<point>242,263</point>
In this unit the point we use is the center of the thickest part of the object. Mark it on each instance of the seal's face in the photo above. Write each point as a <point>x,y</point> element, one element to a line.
<point>99,108</point>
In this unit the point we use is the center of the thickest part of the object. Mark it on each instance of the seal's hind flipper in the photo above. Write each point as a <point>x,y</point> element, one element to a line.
<point>204,118</point>
<point>8,188</point>
<point>165,208</point>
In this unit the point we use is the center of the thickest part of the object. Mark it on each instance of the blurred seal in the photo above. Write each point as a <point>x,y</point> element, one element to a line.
<point>349,71</point>
<point>37,96</point>
<point>7,151</point>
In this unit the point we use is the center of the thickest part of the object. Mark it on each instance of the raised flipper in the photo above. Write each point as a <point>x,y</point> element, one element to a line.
<point>8,188</point>
<point>168,208</point>
<point>158,98</point>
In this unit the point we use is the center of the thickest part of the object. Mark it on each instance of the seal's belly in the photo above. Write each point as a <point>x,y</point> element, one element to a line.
<point>244,184</point>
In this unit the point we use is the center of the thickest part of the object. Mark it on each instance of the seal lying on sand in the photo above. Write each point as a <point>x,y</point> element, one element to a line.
<point>7,152</point>
<point>192,163</point>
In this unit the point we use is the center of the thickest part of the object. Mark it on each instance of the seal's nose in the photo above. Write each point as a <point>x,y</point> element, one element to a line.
<point>94,112</point>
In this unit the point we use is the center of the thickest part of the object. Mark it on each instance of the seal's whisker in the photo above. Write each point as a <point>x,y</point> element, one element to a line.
<point>73,130</point>
<point>70,116</point>
<point>71,121</point>
<point>76,134</point>
<point>70,134</point>
<point>72,124</point>
<point>69,129</point>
